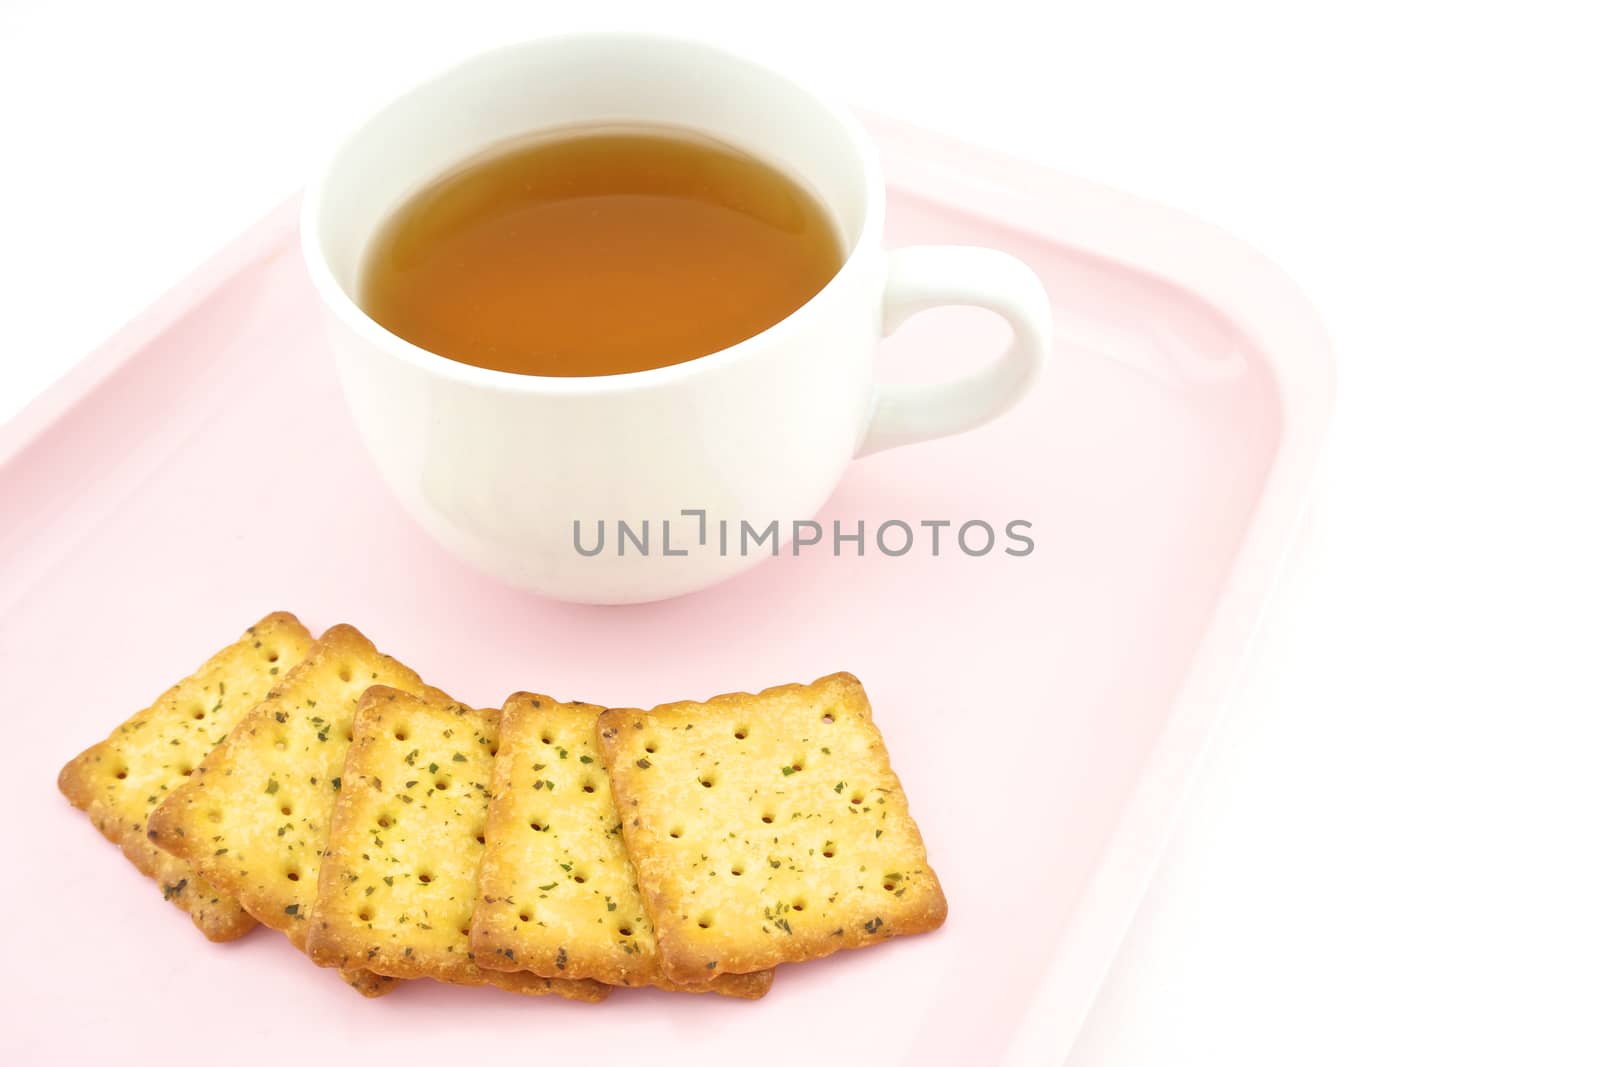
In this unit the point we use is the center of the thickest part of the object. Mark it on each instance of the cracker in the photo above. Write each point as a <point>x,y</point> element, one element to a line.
<point>399,877</point>
<point>367,983</point>
<point>253,818</point>
<point>767,829</point>
<point>121,780</point>
<point>557,895</point>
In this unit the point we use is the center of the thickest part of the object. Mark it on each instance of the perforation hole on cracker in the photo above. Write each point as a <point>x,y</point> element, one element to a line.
<point>803,876</point>
<point>156,752</point>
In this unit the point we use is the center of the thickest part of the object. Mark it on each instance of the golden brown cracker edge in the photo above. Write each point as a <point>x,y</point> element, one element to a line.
<point>253,817</point>
<point>398,880</point>
<point>557,895</point>
<point>119,781</point>
<point>767,828</point>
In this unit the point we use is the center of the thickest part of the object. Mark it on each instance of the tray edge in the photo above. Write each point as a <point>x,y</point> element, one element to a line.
<point>1259,300</point>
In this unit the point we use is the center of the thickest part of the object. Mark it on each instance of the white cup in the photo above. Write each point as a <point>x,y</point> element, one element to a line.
<point>506,469</point>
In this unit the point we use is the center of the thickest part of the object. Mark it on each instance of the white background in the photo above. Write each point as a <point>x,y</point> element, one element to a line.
<point>1392,853</point>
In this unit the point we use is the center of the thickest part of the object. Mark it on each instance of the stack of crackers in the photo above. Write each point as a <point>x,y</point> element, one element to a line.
<point>321,788</point>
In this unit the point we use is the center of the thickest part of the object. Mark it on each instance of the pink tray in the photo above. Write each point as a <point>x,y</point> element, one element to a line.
<point>1044,712</point>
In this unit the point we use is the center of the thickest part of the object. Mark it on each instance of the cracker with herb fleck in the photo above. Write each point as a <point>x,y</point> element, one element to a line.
<point>368,983</point>
<point>557,895</point>
<point>121,780</point>
<point>254,817</point>
<point>400,875</point>
<point>767,829</point>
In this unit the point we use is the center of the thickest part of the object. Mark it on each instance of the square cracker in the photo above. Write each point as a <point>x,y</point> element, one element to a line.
<point>557,895</point>
<point>767,829</point>
<point>253,818</point>
<point>399,877</point>
<point>119,781</point>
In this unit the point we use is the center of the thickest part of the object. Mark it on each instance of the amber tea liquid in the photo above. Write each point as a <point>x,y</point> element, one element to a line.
<point>599,251</point>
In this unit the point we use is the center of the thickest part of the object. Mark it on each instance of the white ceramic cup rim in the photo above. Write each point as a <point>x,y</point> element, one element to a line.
<point>343,304</point>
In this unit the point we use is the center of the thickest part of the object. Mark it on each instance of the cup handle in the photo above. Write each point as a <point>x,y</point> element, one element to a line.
<point>931,276</point>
